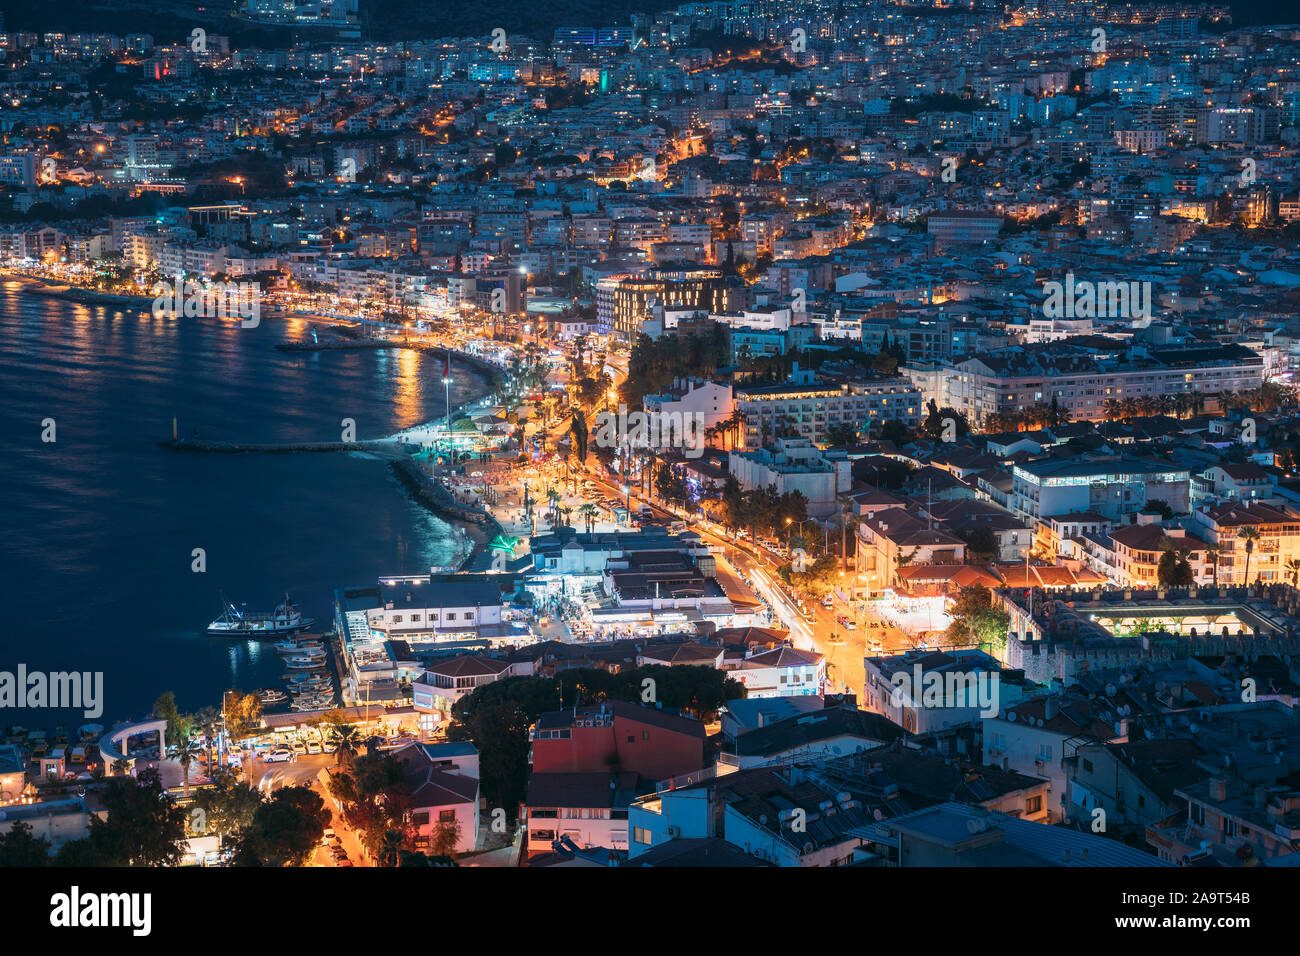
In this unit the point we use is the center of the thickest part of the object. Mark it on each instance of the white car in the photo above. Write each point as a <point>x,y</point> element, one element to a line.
<point>278,756</point>
<point>313,748</point>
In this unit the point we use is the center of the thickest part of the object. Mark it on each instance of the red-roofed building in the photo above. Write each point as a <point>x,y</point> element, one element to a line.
<point>616,735</point>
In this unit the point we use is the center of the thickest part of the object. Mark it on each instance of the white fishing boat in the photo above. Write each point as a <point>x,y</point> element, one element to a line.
<point>303,663</point>
<point>312,682</point>
<point>291,647</point>
<point>237,622</point>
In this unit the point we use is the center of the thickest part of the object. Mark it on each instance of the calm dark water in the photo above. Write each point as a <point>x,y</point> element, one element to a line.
<point>99,526</point>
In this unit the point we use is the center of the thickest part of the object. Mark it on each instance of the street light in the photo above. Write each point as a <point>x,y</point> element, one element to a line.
<point>446,389</point>
<point>788,530</point>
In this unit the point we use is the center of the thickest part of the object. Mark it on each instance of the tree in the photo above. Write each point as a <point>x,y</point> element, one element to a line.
<point>20,847</point>
<point>188,750</point>
<point>394,841</point>
<point>242,713</point>
<point>376,798</point>
<point>164,708</point>
<point>1293,571</point>
<point>1174,570</point>
<point>981,545</point>
<point>840,434</point>
<point>446,837</point>
<point>228,805</point>
<point>895,431</point>
<point>1249,534</point>
<point>499,730</point>
<point>144,827</point>
<point>578,428</point>
<point>974,616</point>
<point>345,739</point>
<point>284,830</point>
<point>936,422</point>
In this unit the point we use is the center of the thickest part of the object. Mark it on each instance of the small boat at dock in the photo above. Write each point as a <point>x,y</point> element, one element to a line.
<point>291,646</point>
<point>237,622</point>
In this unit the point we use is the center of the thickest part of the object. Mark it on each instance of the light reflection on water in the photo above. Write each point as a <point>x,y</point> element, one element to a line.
<point>100,525</point>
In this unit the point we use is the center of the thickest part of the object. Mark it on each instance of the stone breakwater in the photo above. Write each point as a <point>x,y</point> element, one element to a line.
<point>431,493</point>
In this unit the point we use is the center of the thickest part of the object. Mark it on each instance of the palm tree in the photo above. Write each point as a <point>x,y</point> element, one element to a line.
<point>346,739</point>
<point>902,561</point>
<point>1212,555</point>
<point>1249,534</point>
<point>390,846</point>
<point>1293,570</point>
<point>187,751</point>
<point>589,512</point>
<point>208,718</point>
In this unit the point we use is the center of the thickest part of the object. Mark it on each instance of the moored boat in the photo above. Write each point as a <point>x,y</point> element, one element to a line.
<point>237,622</point>
<point>288,647</point>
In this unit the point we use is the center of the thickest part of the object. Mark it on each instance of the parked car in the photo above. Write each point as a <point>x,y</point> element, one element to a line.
<point>313,748</point>
<point>278,756</point>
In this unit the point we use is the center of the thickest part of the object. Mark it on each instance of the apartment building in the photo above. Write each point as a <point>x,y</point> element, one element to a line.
<point>1110,487</point>
<point>811,410</point>
<point>1081,384</point>
<point>1276,541</point>
<point>794,464</point>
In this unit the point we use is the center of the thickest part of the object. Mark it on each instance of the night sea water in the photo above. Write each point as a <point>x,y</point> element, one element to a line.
<point>99,526</point>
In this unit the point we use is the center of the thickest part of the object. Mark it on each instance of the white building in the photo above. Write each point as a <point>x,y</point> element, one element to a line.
<point>795,465</point>
<point>706,403</point>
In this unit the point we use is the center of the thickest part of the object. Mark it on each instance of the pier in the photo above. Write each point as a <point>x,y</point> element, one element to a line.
<point>433,495</point>
<point>386,447</point>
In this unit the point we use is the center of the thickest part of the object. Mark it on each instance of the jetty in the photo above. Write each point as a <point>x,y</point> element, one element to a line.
<point>431,493</point>
<point>385,447</point>
<point>488,369</point>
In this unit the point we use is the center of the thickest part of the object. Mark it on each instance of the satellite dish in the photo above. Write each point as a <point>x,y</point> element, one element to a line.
<point>878,815</point>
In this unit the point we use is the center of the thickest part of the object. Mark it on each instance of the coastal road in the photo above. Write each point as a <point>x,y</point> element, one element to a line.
<point>844,650</point>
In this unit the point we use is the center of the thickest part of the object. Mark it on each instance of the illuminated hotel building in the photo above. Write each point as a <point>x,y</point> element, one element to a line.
<point>623,301</point>
<point>811,410</point>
